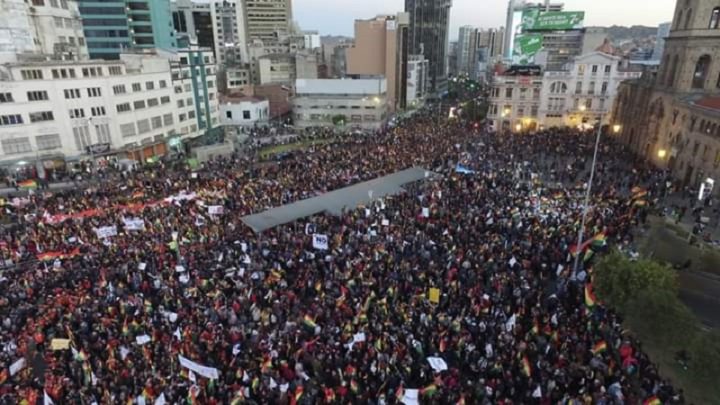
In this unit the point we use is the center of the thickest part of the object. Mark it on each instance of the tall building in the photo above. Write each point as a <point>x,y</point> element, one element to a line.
<point>267,20</point>
<point>466,45</point>
<point>193,23</point>
<point>47,29</point>
<point>513,23</point>
<point>662,33</point>
<point>229,32</point>
<point>672,116</point>
<point>492,39</point>
<point>428,36</point>
<point>114,26</point>
<point>380,50</point>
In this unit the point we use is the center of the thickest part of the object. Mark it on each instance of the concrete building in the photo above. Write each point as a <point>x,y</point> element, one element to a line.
<point>55,110</point>
<point>514,20</point>
<point>663,32</point>
<point>285,68</point>
<point>238,78</point>
<point>579,95</point>
<point>279,96</point>
<point>466,46</point>
<point>194,80</point>
<point>492,39</point>
<point>244,111</point>
<point>42,29</point>
<point>113,27</point>
<point>584,91</point>
<point>428,36</point>
<point>312,40</point>
<point>672,116</point>
<point>417,80</point>
<point>229,32</point>
<point>379,51</point>
<point>267,20</point>
<point>193,23</point>
<point>356,103</point>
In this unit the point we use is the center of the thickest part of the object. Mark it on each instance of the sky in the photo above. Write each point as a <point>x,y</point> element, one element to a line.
<point>335,17</point>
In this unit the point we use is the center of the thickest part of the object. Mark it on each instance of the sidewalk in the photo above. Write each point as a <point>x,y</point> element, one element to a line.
<point>688,221</point>
<point>6,191</point>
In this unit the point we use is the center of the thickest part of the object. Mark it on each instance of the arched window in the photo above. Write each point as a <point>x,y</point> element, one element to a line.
<point>673,71</point>
<point>558,88</point>
<point>678,21</point>
<point>701,71</point>
<point>715,18</point>
<point>688,16</point>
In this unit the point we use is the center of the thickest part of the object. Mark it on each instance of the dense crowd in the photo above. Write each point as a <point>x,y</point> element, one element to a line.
<point>459,290</point>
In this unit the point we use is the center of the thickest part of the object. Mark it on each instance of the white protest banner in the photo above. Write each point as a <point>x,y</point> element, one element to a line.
<point>142,339</point>
<point>134,224</point>
<point>215,209</point>
<point>17,366</point>
<point>411,397</point>
<point>106,231</point>
<point>320,242</point>
<point>426,212</point>
<point>46,399</point>
<point>437,363</point>
<point>160,400</point>
<point>385,222</point>
<point>207,372</point>
<point>357,338</point>
<point>142,266</point>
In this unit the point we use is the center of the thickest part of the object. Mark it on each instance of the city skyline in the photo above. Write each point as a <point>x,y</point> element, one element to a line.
<point>468,12</point>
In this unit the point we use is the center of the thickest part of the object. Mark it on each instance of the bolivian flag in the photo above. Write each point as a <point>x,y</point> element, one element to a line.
<point>329,395</point>
<point>526,366</point>
<point>601,346</point>
<point>590,299</point>
<point>28,184</point>
<point>599,240</point>
<point>428,391</point>
<point>354,386</point>
<point>653,400</point>
<point>309,322</point>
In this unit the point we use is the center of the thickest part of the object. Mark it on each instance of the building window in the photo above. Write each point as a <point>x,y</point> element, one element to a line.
<point>163,84</point>
<point>31,74</point>
<point>37,95</point>
<point>581,70</point>
<point>164,99</point>
<point>607,69</point>
<point>127,130</point>
<point>673,71</point>
<point>143,126</point>
<point>47,142</point>
<point>136,87</point>
<point>508,92</point>
<point>16,145</point>
<point>688,17</point>
<point>94,92</point>
<point>191,115</point>
<point>588,103</point>
<point>594,69</point>
<point>97,111</point>
<point>119,89</point>
<point>578,88</point>
<point>77,113</point>
<point>103,133</point>
<point>181,103</point>
<point>167,119</point>
<point>715,19</point>
<point>152,102</point>
<point>64,4</point>
<point>82,137</point>
<point>72,93</point>
<point>679,19</point>
<point>604,88</point>
<point>6,98</point>
<point>591,88</point>
<point>124,107</point>
<point>139,104</point>
<point>246,114</point>
<point>149,85</point>
<point>228,115</point>
<point>701,70</point>
<point>115,70</point>
<point>156,122</point>
<point>41,116</point>
<point>12,119</point>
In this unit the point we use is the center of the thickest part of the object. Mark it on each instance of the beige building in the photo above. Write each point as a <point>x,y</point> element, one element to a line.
<point>672,116</point>
<point>267,20</point>
<point>378,51</point>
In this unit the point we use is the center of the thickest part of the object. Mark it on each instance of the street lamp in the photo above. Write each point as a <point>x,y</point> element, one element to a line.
<point>617,128</point>
<point>518,127</point>
<point>662,153</point>
<point>583,108</point>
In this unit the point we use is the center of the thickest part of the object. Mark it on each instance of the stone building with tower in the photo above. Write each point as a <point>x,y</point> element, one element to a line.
<point>671,115</point>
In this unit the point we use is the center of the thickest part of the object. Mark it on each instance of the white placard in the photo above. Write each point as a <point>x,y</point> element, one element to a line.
<point>385,222</point>
<point>216,209</point>
<point>411,397</point>
<point>512,261</point>
<point>142,339</point>
<point>207,372</point>
<point>426,212</point>
<point>437,363</point>
<point>142,266</point>
<point>179,269</point>
<point>106,231</point>
<point>320,242</point>
<point>17,366</point>
<point>134,224</point>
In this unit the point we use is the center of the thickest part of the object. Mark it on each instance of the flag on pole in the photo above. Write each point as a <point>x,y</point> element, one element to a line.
<point>590,299</point>
<point>526,366</point>
<point>599,347</point>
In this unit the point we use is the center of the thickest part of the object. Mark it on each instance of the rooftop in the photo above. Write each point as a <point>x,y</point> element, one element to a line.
<point>234,99</point>
<point>340,86</point>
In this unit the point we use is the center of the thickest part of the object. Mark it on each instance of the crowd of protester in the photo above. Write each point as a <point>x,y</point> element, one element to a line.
<point>469,268</point>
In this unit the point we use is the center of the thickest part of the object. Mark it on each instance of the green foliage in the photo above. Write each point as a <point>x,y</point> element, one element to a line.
<point>619,280</point>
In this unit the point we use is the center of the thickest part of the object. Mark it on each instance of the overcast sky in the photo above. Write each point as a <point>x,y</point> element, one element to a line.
<point>335,17</point>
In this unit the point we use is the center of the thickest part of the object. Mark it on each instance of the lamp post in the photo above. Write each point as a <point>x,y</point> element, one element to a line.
<point>587,194</point>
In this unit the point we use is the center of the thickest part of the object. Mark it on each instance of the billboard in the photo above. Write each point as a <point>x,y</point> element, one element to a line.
<point>526,47</point>
<point>552,20</point>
